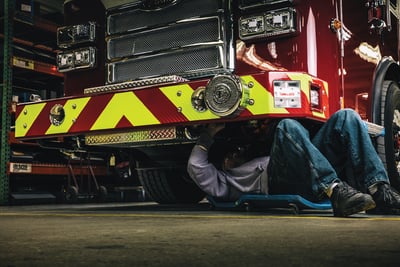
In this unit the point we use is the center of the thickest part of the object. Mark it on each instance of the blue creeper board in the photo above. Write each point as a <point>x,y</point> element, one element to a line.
<point>296,202</point>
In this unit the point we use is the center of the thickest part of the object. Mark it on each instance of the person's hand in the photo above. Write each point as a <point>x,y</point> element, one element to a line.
<point>214,128</point>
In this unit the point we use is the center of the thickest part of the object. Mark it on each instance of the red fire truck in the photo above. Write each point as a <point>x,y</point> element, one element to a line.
<point>145,76</point>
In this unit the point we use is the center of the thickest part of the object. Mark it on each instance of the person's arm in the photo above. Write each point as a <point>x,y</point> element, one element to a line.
<point>205,174</point>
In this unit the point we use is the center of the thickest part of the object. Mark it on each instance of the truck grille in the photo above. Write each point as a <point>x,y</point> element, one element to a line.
<point>190,39</point>
<point>194,32</point>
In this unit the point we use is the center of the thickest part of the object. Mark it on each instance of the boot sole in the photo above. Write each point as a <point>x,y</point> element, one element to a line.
<point>362,206</point>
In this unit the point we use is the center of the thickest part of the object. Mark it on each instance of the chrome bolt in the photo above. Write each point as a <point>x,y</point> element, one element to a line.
<point>179,93</point>
<point>179,109</point>
<point>250,85</point>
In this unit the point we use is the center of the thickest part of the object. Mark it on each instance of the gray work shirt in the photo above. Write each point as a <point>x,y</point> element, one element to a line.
<point>248,178</point>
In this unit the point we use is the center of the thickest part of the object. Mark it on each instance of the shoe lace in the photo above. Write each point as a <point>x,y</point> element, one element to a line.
<point>348,190</point>
<point>389,195</point>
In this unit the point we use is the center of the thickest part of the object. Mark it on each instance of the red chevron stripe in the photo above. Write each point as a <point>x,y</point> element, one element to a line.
<point>160,106</point>
<point>91,112</point>
<point>42,122</point>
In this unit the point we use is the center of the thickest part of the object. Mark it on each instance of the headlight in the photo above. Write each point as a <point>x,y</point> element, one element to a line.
<point>85,58</point>
<point>65,61</point>
<point>287,94</point>
<point>271,23</point>
<point>252,26</point>
<point>71,35</point>
<point>76,59</point>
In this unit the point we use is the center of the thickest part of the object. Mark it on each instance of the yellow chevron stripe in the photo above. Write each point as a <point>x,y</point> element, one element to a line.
<point>72,109</point>
<point>263,99</point>
<point>305,81</point>
<point>127,105</point>
<point>180,96</point>
<point>26,118</point>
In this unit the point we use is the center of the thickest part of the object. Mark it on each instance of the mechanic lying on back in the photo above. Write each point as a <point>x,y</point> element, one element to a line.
<point>313,168</point>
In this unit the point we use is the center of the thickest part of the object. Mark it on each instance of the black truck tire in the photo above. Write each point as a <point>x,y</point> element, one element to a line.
<point>169,185</point>
<point>102,193</point>
<point>71,195</point>
<point>388,147</point>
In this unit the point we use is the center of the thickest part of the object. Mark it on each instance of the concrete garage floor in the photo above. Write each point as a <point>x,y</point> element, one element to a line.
<point>147,234</point>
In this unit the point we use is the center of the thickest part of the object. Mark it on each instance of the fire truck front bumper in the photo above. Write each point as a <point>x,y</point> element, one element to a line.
<point>141,111</point>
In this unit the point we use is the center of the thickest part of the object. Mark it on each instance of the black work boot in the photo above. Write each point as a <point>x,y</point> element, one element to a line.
<point>346,200</point>
<point>387,200</point>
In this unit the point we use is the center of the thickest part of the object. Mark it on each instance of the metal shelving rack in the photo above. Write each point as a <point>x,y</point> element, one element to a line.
<point>27,30</point>
<point>21,29</point>
<point>6,95</point>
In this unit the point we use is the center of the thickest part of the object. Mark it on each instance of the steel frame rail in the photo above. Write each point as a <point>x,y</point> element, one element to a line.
<point>6,97</point>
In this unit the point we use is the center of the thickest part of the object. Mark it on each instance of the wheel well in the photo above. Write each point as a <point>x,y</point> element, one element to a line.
<point>387,69</point>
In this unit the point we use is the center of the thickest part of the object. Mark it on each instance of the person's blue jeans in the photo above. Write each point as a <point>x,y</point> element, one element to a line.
<point>341,150</point>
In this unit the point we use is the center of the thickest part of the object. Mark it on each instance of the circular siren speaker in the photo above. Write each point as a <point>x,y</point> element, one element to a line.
<point>226,95</point>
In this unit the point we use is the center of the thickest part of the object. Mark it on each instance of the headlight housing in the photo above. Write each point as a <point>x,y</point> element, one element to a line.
<point>271,23</point>
<point>76,59</point>
<point>68,36</point>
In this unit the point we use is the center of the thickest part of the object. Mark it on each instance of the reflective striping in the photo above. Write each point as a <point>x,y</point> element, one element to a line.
<point>26,118</point>
<point>124,105</point>
<point>72,108</point>
<point>263,99</point>
<point>166,105</point>
<point>181,96</point>
<point>319,114</point>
